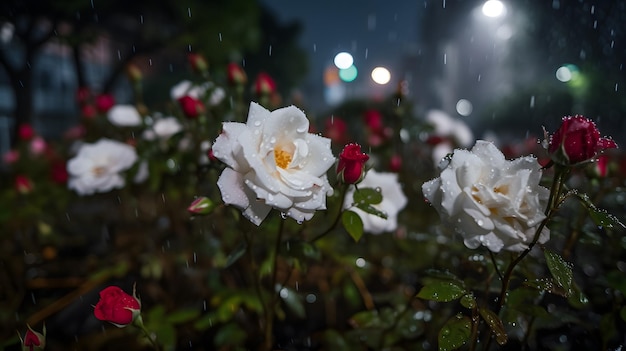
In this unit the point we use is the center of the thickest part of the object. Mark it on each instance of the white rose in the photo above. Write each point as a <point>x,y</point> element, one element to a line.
<point>187,88</point>
<point>488,200</point>
<point>393,202</point>
<point>164,128</point>
<point>274,163</point>
<point>97,166</point>
<point>124,116</point>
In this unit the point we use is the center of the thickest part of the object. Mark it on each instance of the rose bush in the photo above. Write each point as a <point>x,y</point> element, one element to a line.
<point>96,167</point>
<point>117,307</point>
<point>273,162</point>
<point>489,200</point>
<point>392,203</point>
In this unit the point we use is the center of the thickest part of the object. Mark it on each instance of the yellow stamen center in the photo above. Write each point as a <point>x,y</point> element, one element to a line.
<point>282,158</point>
<point>99,171</point>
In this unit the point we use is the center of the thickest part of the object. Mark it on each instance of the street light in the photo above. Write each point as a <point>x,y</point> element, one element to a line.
<point>494,8</point>
<point>381,75</point>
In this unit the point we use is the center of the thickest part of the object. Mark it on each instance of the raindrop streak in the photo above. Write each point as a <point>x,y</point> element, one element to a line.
<point>366,52</point>
<point>32,296</point>
<point>616,87</point>
<point>150,62</point>
<point>119,55</point>
<point>92,4</point>
<point>445,59</point>
<point>141,19</point>
<point>444,4</point>
<point>189,11</point>
<point>220,35</point>
<point>532,101</point>
<point>270,51</point>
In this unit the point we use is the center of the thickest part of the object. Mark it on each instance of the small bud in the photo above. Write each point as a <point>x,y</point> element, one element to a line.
<point>198,63</point>
<point>191,107</point>
<point>201,206</point>
<point>577,140</point>
<point>33,341</point>
<point>134,73</point>
<point>25,132</point>
<point>104,102</point>
<point>395,164</point>
<point>236,74</point>
<point>23,184</point>
<point>264,85</point>
<point>351,165</point>
<point>117,307</point>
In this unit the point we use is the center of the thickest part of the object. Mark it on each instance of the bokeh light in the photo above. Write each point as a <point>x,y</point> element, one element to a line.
<point>493,8</point>
<point>567,73</point>
<point>381,75</point>
<point>464,107</point>
<point>349,74</point>
<point>343,60</point>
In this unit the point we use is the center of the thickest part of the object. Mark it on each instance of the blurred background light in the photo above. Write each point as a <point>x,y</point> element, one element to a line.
<point>381,75</point>
<point>348,74</point>
<point>493,8</point>
<point>343,60</point>
<point>464,107</point>
<point>567,73</point>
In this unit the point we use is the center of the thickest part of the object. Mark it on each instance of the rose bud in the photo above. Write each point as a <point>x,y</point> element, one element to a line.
<point>236,74</point>
<point>33,341</point>
<point>201,206</point>
<point>198,63</point>
<point>23,184</point>
<point>336,129</point>
<point>133,73</point>
<point>351,165</point>
<point>601,167</point>
<point>395,164</point>
<point>191,107</point>
<point>117,307</point>
<point>264,85</point>
<point>104,102</point>
<point>577,140</point>
<point>374,120</point>
<point>88,111</point>
<point>25,132</point>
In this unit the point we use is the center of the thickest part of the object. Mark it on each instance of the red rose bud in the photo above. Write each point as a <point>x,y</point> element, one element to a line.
<point>335,129</point>
<point>236,74</point>
<point>23,184</point>
<point>264,84</point>
<point>58,172</point>
<point>33,341</point>
<point>25,132</point>
<point>88,111</point>
<point>374,120</point>
<point>201,206</point>
<point>395,164</point>
<point>134,73</point>
<point>104,102</point>
<point>577,140</point>
<point>192,108</point>
<point>117,307</point>
<point>198,63</point>
<point>351,165</point>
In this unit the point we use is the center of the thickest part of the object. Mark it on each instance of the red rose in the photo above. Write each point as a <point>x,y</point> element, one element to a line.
<point>236,74</point>
<point>33,340</point>
<point>117,307</point>
<point>192,108</point>
<point>23,184</point>
<point>58,172</point>
<point>374,120</point>
<point>25,132</point>
<point>351,166</point>
<point>104,102</point>
<point>335,129</point>
<point>577,140</point>
<point>264,84</point>
<point>198,63</point>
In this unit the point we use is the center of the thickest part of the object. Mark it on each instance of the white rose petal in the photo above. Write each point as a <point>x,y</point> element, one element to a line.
<point>274,163</point>
<point>393,202</point>
<point>97,166</point>
<point>488,200</point>
<point>124,116</point>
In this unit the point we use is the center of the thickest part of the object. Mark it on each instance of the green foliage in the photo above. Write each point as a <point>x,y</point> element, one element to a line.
<point>455,333</point>
<point>353,224</point>
<point>561,271</point>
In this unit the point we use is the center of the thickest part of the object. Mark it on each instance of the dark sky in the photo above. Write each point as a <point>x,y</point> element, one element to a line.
<point>374,32</point>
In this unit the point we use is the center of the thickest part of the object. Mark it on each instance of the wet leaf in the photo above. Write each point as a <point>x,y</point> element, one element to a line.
<point>455,333</point>
<point>468,301</point>
<point>561,271</point>
<point>495,324</point>
<point>577,299</point>
<point>600,216</point>
<point>441,290</point>
<point>230,335</point>
<point>372,210</point>
<point>368,196</point>
<point>546,284</point>
<point>353,224</point>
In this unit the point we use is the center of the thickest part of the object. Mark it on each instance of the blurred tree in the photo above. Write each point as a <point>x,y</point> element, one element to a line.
<point>217,28</point>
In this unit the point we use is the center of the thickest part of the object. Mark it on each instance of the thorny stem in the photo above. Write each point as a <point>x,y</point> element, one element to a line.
<point>553,203</point>
<point>342,196</point>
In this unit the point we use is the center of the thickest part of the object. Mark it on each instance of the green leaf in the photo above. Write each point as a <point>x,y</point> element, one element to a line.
<point>577,299</point>
<point>441,290</point>
<point>600,216</point>
<point>182,316</point>
<point>230,335</point>
<point>368,196</point>
<point>372,210</point>
<point>468,301</point>
<point>236,254</point>
<point>353,224</point>
<point>546,284</point>
<point>455,333</point>
<point>495,324</point>
<point>561,271</point>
